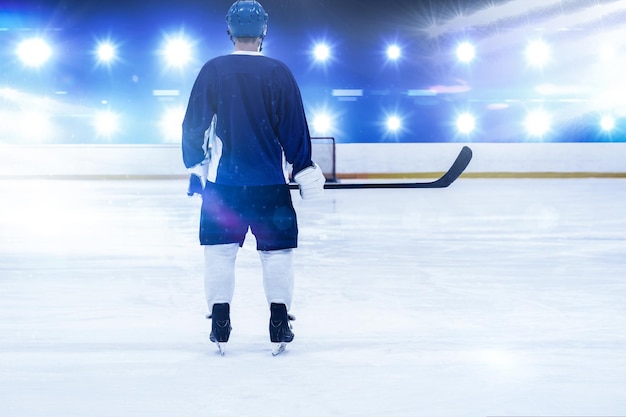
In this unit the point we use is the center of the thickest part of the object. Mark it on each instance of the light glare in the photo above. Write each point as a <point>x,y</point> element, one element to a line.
<point>607,123</point>
<point>537,123</point>
<point>171,124</point>
<point>34,124</point>
<point>106,123</point>
<point>607,53</point>
<point>465,52</point>
<point>178,52</point>
<point>393,52</point>
<point>465,123</point>
<point>321,52</point>
<point>106,52</point>
<point>537,53</point>
<point>393,123</point>
<point>322,123</point>
<point>34,52</point>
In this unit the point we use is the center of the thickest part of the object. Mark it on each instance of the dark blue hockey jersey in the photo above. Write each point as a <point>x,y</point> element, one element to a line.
<point>245,118</point>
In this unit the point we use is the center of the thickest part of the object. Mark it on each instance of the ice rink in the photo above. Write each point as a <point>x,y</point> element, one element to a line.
<point>489,298</point>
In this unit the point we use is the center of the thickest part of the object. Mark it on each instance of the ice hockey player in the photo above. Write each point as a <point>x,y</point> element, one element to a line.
<point>244,126</point>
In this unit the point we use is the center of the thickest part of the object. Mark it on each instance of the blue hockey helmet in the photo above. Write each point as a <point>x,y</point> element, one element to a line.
<point>247,19</point>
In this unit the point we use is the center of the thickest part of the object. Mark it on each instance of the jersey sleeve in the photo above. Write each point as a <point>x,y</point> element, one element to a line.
<point>292,129</point>
<point>198,118</point>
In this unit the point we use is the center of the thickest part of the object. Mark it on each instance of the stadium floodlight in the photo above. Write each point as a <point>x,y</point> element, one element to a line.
<point>178,51</point>
<point>465,123</point>
<point>607,123</point>
<point>393,123</point>
<point>393,52</point>
<point>106,123</point>
<point>537,53</point>
<point>322,123</point>
<point>321,52</point>
<point>465,52</point>
<point>34,52</point>
<point>537,123</point>
<point>106,52</point>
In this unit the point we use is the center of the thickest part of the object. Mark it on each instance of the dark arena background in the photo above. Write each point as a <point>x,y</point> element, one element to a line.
<point>370,71</point>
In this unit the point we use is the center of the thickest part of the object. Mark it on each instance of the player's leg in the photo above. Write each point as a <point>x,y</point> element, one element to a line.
<point>278,282</point>
<point>222,232</point>
<point>274,224</point>
<point>278,276</point>
<point>219,286</point>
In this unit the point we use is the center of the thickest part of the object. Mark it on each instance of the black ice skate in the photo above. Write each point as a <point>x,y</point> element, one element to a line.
<point>220,326</point>
<point>280,328</point>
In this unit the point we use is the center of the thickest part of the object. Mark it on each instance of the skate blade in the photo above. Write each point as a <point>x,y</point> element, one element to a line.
<point>278,348</point>
<point>221,348</point>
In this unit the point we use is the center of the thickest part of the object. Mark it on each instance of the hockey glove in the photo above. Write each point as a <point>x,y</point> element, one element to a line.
<point>195,185</point>
<point>311,182</point>
<point>197,179</point>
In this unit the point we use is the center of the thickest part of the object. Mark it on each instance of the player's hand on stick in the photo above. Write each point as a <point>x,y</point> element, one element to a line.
<point>195,185</point>
<point>311,182</point>
<point>197,178</point>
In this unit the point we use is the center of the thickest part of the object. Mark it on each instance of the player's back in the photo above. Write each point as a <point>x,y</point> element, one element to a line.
<point>251,94</point>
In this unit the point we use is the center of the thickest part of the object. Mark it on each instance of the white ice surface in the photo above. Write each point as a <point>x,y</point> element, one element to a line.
<point>491,297</point>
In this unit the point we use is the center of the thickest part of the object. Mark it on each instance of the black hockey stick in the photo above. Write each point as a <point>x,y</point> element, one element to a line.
<point>456,169</point>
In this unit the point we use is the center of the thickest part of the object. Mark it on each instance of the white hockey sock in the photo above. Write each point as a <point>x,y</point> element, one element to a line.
<point>219,273</point>
<point>278,276</point>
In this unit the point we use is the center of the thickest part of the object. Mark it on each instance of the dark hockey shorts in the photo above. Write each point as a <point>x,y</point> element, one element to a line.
<point>228,212</point>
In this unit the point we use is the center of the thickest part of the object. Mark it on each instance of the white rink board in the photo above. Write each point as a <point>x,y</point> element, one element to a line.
<point>352,159</point>
<point>488,157</point>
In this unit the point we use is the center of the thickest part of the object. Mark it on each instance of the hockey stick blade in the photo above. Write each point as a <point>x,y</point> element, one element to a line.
<point>456,169</point>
